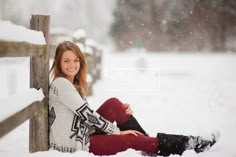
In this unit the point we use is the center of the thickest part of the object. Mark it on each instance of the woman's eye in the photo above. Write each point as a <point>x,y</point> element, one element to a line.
<point>66,61</point>
<point>77,60</point>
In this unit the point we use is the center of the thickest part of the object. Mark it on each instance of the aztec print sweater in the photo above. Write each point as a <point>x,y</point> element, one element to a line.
<point>71,120</point>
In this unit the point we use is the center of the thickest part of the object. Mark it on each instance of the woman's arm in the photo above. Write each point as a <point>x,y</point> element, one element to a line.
<point>69,96</point>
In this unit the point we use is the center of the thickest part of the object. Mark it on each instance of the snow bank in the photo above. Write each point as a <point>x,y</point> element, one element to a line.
<point>12,32</point>
<point>19,101</point>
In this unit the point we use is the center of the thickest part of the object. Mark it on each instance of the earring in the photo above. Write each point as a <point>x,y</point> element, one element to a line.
<point>77,76</point>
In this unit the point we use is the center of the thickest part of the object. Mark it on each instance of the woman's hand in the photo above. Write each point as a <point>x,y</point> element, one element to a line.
<point>132,132</point>
<point>128,109</point>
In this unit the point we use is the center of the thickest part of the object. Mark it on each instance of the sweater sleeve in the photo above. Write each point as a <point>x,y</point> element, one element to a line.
<point>71,98</point>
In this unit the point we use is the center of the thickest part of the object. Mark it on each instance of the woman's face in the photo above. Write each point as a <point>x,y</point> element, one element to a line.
<point>70,64</point>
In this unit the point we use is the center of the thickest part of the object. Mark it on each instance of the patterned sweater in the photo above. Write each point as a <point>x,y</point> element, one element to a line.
<point>71,119</point>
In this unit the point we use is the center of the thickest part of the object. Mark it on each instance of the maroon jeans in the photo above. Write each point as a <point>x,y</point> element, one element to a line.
<point>114,111</point>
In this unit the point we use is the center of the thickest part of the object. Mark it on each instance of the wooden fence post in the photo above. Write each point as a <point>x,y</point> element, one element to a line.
<point>39,76</point>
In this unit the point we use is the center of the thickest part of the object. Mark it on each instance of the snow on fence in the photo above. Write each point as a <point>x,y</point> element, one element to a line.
<point>36,112</point>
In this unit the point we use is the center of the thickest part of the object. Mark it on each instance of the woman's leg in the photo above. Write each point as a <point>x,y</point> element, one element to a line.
<point>163,145</point>
<point>114,110</point>
<point>112,144</point>
<point>132,124</point>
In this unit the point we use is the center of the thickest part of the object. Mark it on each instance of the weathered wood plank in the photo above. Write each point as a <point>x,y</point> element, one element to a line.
<point>15,120</point>
<point>39,66</point>
<point>20,49</point>
<point>38,138</point>
<point>39,78</point>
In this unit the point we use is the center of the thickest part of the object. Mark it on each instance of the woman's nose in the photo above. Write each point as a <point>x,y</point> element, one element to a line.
<point>71,64</point>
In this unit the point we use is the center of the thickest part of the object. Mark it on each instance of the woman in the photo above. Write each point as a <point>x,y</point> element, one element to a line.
<point>75,126</point>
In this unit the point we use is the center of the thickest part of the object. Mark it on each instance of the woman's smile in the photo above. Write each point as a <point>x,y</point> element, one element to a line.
<point>70,64</point>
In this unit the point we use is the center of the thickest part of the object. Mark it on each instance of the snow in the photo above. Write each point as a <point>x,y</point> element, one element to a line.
<point>81,46</point>
<point>19,101</point>
<point>91,42</point>
<point>17,33</point>
<point>187,93</point>
<point>88,50</point>
<point>80,33</point>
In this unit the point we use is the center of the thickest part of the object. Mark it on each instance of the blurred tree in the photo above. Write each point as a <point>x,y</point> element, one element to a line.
<point>217,18</point>
<point>132,21</point>
<point>120,25</point>
<point>193,25</point>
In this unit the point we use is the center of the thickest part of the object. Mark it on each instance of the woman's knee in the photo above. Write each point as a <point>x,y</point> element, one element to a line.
<point>113,99</point>
<point>112,105</point>
<point>114,102</point>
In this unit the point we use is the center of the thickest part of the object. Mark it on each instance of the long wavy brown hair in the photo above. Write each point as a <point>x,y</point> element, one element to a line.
<point>80,82</point>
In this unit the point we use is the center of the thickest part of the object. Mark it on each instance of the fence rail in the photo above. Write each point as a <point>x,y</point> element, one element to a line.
<point>20,49</point>
<point>19,118</point>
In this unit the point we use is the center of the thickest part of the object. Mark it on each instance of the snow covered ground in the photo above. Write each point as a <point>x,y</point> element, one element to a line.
<point>187,93</point>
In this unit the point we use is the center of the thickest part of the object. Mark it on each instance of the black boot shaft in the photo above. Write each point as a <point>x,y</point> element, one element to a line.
<point>171,144</point>
<point>132,124</point>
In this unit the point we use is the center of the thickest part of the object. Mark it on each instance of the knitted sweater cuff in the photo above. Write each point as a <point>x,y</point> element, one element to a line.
<point>116,131</point>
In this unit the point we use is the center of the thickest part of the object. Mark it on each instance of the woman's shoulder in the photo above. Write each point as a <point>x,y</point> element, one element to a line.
<point>61,82</point>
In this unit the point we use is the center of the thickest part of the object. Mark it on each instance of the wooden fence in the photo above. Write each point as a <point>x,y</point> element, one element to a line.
<point>36,112</point>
